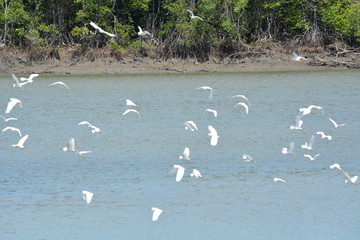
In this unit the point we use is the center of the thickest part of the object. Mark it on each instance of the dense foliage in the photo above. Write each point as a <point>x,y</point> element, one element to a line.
<point>229,26</point>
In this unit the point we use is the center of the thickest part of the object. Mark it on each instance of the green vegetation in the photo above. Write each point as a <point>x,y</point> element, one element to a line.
<point>229,26</point>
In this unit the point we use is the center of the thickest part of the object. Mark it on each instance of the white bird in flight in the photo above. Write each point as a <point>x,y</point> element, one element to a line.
<point>214,112</point>
<point>21,142</point>
<point>307,110</point>
<point>11,104</point>
<point>214,135</point>
<point>30,79</point>
<point>308,145</point>
<point>142,33</point>
<point>210,90</point>
<point>132,110</point>
<point>297,57</point>
<point>94,129</point>
<point>192,16</point>
<point>242,96</point>
<point>17,82</point>
<point>70,146</point>
<point>12,129</point>
<point>156,213</point>
<point>190,125</point>
<point>8,119</point>
<point>59,83</point>
<point>346,175</point>
<point>244,105</point>
<point>179,172</point>
<point>298,123</point>
<point>335,124</point>
<point>248,158</point>
<point>322,134</point>
<point>195,173</point>
<point>101,30</point>
<point>87,196</point>
<point>279,180</point>
<point>128,102</point>
<point>83,152</point>
<point>312,158</point>
<point>185,155</point>
<point>289,149</point>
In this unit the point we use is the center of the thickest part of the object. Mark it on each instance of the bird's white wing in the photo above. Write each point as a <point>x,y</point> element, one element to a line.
<point>85,123</point>
<point>191,13</point>
<point>22,140</point>
<point>214,135</point>
<point>12,129</point>
<point>130,110</point>
<point>59,83</point>
<point>180,173</point>
<point>11,104</point>
<point>244,105</point>
<point>17,83</point>
<point>128,102</point>
<point>156,213</point>
<point>101,30</point>
<point>311,141</point>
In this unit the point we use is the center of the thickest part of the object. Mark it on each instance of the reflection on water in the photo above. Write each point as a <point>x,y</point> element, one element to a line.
<point>128,168</point>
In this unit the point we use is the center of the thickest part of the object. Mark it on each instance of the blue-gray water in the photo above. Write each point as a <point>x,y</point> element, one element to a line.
<point>128,169</point>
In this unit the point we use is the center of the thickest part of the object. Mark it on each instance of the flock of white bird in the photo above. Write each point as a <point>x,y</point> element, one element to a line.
<point>188,126</point>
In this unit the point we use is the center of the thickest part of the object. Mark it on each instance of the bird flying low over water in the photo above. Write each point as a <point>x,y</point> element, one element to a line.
<point>30,79</point>
<point>12,103</point>
<point>156,213</point>
<point>289,149</point>
<point>244,105</point>
<point>179,172</point>
<point>190,125</point>
<point>214,135</point>
<point>128,102</point>
<point>279,180</point>
<point>248,158</point>
<point>335,124</point>
<point>87,196</point>
<point>312,158</point>
<point>101,30</point>
<point>297,57</point>
<point>346,175</point>
<point>210,90</point>
<point>308,145</point>
<point>307,110</point>
<point>12,129</point>
<point>17,82</point>
<point>59,83</point>
<point>322,134</point>
<point>70,146</point>
<point>242,96</point>
<point>214,112</point>
<point>195,173</point>
<point>192,16</point>
<point>93,128</point>
<point>21,142</point>
<point>185,154</point>
<point>298,123</point>
<point>8,119</point>
<point>132,110</point>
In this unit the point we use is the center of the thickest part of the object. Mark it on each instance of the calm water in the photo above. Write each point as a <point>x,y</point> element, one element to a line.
<point>128,169</point>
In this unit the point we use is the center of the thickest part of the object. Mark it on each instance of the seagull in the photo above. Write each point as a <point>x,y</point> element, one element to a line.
<point>142,33</point>
<point>297,57</point>
<point>156,213</point>
<point>179,172</point>
<point>185,154</point>
<point>298,123</point>
<point>192,16</point>
<point>322,134</point>
<point>128,102</point>
<point>8,119</point>
<point>214,135</point>
<point>242,96</point>
<point>279,180</point>
<point>312,158</point>
<point>101,30</point>
<point>21,142</point>
<point>12,103</point>
<point>346,175</point>
<point>248,158</point>
<point>307,110</point>
<point>131,110</point>
<point>335,124</point>
<point>70,146</point>
<point>289,149</point>
<point>93,128</point>
<point>195,173</point>
<point>211,91</point>
<point>12,129</point>
<point>17,83</point>
<point>30,79</point>
<point>59,83</point>
<point>87,196</point>
<point>214,112</point>
<point>190,125</point>
<point>308,145</point>
<point>244,105</point>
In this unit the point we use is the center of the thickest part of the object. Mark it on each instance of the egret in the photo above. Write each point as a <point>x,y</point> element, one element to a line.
<point>70,146</point>
<point>248,158</point>
<point>297,57</point>
<point>289,149</point>
<point>93,128</point>
<point>12,129</point>
<point>214,112</point>
<point>210,90</point>
<point>298,123</point>
<point>308,145</point>
<point>190,125</point>
<point>192,16</point>
<point>11,104</point>
<point>307,110</point>
<point>128,102</point>
<point>131,110</point>
<point>322,135</point>
<point>17,83</point>
<point>8,119</point>
<point>242,96</point>
<point>195,173</point>
<point>244,105</point>
<point>179,172</point>
<point>101,30</point>
<point>156,213</point>
<point>59,83</point>
<point>279,180</point>
<point>30,79</point>
<point>312,158</point>
<point>142,33</point>
<point>87,196</point>
<point>21,142</point>
<point>185,154</point>
<point>346,175</point>
<point>214,135</point>
<point>335,124</point>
